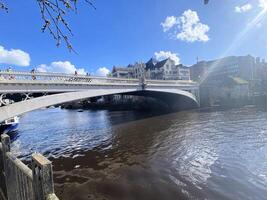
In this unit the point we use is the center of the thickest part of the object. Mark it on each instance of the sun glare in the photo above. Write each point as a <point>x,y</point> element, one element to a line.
<point>263,4</point>
<point>241,36</point>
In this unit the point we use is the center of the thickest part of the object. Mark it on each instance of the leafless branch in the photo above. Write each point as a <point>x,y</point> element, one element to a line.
<point>3,6</point>
<point>53,14</point>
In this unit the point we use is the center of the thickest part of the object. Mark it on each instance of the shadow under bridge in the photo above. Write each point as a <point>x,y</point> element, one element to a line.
<point>178,99</point>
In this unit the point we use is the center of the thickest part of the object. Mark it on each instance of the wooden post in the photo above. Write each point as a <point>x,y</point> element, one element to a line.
<point>5,143</point>
<point>5,140</point>
<point>2,177</point>
<point>1,160</point>
<point>43,185</point>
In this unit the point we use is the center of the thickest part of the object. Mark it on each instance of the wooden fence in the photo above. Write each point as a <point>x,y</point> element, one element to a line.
<point>19,182</point>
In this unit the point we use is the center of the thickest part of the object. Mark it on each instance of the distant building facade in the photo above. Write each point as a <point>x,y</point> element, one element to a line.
<point>167,70</point>
<point>235,66</point>
<point>131,71</point>
<point>153,69</point>
<point>138,69</point>
<point>183,72</point>
<point>261,69</point>
<point>121,72</point>
<point>231,80</point>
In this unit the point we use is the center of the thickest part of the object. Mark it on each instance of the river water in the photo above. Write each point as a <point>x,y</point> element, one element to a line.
<point>200,154</point>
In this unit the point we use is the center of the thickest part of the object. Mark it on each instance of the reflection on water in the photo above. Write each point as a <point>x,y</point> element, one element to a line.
<point>133,155</point>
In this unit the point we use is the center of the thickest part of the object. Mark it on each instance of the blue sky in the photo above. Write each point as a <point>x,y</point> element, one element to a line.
<point>120,32</point>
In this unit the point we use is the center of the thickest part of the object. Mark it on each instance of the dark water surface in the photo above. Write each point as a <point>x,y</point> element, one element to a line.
<point>134,156</point>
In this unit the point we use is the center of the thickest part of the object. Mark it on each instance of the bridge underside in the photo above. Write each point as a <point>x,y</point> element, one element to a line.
<point>174,101</point>
<point>177,100</point>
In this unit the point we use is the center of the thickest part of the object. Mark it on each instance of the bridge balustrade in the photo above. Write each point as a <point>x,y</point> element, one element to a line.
<point>15,76</point>
<point>7,76</point>
<point>172,82</point>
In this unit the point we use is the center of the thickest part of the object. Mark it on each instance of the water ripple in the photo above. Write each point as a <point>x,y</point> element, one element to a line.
<point>129,155</point>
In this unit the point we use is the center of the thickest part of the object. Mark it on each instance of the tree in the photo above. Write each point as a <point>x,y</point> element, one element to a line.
<point>53,13</point>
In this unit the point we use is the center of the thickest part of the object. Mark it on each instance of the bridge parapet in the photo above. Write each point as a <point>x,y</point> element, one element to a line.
<point>15,76</point>
<point>39,77</point>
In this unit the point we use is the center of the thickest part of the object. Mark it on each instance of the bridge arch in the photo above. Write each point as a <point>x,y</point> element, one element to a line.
<point>173,95</point>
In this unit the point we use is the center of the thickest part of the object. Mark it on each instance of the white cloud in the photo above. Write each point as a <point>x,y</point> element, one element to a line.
<point>60,67</point>
<point>169,22</point>
<point>161,55</point>
<point>69,68</point>
<point>81,71</point>
<point>42,68</point>
<point>243,8</point>
<point>263,4</point>
<point>189,27</point>
<point>14,57</point>
<point>102,71</point>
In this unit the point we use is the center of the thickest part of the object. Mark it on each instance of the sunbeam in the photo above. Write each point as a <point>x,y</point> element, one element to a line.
<point>239,38</point>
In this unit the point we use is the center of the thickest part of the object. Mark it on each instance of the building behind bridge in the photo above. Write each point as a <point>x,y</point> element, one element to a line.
<point>231,80</point>
<point>236,66</point>
<point>153,69</point>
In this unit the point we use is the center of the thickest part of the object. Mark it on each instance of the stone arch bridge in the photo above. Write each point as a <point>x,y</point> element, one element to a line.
<point>22,92</point>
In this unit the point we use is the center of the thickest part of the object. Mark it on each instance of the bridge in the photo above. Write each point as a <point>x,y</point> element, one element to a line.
<point>22,92</point>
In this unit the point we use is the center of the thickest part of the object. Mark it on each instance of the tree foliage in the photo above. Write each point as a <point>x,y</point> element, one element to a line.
<point>53,14</point>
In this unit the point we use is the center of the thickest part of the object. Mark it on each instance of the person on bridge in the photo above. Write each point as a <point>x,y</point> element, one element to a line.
<point>33,76</point>
<point>9,69</point>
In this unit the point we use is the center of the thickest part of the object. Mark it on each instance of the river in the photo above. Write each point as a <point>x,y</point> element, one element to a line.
<point>129,155</point>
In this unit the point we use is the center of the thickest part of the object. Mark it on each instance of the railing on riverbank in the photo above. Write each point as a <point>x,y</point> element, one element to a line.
<point>19,182</point>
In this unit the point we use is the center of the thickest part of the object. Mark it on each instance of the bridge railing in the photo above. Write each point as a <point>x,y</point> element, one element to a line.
<point>19,182</point>
<point>16,76</point>
<point>171,82</point>
<point>11,76</point>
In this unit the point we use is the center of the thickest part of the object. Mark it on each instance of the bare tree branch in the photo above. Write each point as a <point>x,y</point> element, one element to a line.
<point>3,6</point>
<point>53,14</point>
